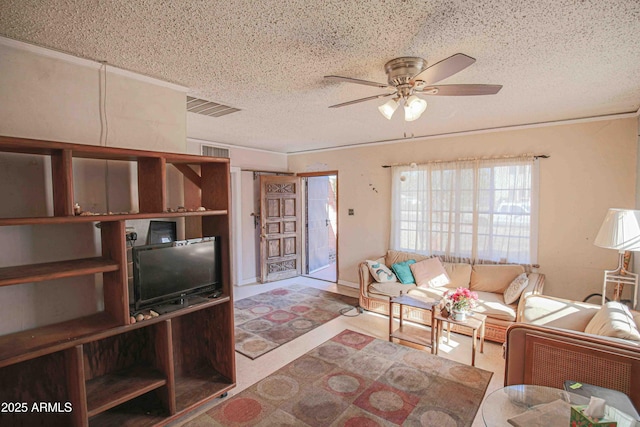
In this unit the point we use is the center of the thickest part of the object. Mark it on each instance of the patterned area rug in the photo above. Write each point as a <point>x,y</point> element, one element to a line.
<point>268,320</point>
<point>359,381</point>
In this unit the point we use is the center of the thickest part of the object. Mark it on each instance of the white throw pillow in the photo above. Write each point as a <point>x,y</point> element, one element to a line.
<point>430,273</point>
<point>380,272</point>
<point>614,320</point>
<point>512,293</point>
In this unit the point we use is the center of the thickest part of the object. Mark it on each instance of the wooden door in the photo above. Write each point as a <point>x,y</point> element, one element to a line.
<point>280,242</point>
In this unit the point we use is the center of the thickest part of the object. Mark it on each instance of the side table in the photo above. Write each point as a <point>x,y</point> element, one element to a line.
<point>511,401</point>
<point>407,332</point>
<point>475,321</point>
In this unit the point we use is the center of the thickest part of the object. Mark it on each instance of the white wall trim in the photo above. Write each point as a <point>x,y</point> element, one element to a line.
<point>236,218</point>
<point>349,284</point>
<point>83,62</point>
<point>249,281</point>
<point>474,132</point>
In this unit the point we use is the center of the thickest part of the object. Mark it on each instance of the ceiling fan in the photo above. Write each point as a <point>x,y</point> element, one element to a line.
<point>409,76</point>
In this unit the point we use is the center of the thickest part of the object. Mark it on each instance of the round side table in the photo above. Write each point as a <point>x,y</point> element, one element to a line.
<point>513,400</point>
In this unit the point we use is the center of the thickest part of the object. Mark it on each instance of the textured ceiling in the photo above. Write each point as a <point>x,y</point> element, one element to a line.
<point>557,59</point>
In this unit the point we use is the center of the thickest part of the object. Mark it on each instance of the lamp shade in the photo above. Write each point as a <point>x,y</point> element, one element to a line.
<point>620,230</point>
<point>388,108</point>
<point>413,108</point>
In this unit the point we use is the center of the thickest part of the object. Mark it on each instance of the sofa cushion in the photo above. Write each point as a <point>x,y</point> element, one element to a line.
<point>494,278</point>
<point>492,305</point>
<point>459,274</point>
<point>380,272</point>
<point>543,310</point>
<point>390,289</point>
<point>428,293</point>
<point>403,271</point>
<point>393,257</point>
<point>614,320</point>
<point>513,291</point>
<point>429,273</point>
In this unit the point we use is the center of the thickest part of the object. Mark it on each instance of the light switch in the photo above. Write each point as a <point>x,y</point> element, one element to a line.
<point>351,212</point>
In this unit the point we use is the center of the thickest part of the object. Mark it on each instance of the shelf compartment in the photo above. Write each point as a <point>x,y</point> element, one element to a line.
<point>33,381</point>
<point>36,342</point>
<point>199,386</point>
<point>105,218</point>
<point>143,411</point>
<point>55,270</point>
<point>108,391</point>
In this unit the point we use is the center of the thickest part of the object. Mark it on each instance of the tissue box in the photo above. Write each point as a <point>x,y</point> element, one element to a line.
<point>579,419</point>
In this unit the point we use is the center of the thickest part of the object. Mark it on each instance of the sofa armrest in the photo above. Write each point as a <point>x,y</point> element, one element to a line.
<point>547,356</point>
<point>535,287</point>
<point>365,277</point>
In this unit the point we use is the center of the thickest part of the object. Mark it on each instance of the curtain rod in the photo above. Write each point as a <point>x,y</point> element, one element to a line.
<point>538,156</point>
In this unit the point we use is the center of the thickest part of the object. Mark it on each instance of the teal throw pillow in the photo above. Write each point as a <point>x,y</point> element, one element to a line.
<point>403,271</point>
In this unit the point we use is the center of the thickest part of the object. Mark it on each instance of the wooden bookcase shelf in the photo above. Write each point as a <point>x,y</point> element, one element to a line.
<point>55,270</point>
<point>110,371</point>
<point>115,388</point>
<point>105,218</point>
<point>32,343</point>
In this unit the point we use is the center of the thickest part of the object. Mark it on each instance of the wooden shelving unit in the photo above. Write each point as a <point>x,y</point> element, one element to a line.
<point>55,270</point>
<point>110,371</point>
<point>115,388</point>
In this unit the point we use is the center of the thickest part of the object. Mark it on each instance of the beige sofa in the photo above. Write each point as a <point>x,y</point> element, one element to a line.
<point>552,347</point>
<point>488,280</point>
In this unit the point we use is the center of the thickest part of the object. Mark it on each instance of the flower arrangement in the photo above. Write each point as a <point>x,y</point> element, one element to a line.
<point>461,300</point>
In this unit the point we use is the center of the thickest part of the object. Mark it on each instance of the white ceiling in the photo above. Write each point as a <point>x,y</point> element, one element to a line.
<point>557,59</point>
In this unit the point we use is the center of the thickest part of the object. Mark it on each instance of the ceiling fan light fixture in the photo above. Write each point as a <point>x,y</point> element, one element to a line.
<point>413,108</point>
<point>388,108</point>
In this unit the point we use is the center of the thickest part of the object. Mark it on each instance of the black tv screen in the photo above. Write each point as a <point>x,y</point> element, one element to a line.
<point>161,232</point>
<point>168,272</point>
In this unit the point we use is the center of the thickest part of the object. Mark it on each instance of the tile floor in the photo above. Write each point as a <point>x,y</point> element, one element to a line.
<point>250,371</point>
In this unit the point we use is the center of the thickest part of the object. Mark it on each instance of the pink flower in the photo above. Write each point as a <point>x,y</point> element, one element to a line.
<point>462,299</point>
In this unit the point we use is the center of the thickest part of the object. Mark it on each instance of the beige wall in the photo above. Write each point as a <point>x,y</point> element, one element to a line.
<point>592,168</point>
<point>44,97</point>
<point>54,97</point>
<point>246,243</point>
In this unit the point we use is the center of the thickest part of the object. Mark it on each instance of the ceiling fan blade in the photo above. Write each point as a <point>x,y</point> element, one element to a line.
<point>368,98</point>
<point>445,68</point>
<point>463,90</point>
<point>358,81</point>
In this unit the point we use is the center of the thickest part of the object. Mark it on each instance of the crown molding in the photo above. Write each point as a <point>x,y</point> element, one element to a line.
<point>83,62</point>
<point>619,116</point>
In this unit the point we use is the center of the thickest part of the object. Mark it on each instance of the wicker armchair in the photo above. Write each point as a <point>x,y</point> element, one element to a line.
<point>543,355</point>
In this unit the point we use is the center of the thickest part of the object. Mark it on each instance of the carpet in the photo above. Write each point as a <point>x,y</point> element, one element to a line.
<point>268,320</point>
<point>356,380</point>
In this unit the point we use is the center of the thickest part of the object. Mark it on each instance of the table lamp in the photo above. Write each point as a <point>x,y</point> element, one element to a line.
<point>620,230</point>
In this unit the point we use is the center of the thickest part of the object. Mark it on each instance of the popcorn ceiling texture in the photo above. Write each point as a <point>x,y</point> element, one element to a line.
<point>557,59</point>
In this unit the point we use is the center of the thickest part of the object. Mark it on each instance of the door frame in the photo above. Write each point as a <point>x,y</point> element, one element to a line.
<point>305,175</point>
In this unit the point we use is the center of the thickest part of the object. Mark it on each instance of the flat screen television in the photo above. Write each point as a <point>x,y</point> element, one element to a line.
<point>167,273</point>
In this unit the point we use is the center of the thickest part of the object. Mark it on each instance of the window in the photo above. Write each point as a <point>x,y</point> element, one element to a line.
<point>483,210</point>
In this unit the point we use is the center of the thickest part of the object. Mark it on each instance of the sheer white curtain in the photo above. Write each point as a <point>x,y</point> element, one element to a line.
<point>482,210</point>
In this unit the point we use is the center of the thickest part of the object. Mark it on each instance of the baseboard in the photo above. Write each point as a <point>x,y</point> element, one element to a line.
<point>248,281</point>
<point>349,284</point>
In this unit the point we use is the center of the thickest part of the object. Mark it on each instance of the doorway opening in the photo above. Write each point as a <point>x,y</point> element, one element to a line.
<point>321,220</point>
